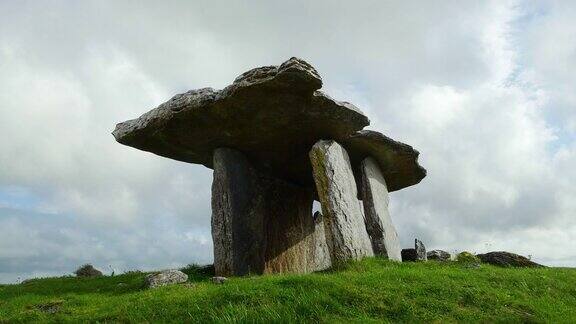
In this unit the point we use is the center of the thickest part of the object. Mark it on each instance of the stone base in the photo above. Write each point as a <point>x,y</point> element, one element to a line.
<point>260,224</point>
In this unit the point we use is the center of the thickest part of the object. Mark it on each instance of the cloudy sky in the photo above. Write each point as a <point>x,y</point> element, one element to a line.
<point>485,90</point>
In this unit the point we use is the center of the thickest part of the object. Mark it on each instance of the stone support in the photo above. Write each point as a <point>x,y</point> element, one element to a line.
<point>260,224</point>
<point>379,225</point>
<point>343,219</point>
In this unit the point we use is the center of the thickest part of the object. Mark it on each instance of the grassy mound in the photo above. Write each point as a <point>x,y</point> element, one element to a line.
<point>371,290</point>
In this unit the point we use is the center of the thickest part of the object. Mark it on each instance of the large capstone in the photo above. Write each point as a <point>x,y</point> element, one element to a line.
<point>273,114</point>
<point>260,224</point>
<point>379,225</point>
<point>344,222</point>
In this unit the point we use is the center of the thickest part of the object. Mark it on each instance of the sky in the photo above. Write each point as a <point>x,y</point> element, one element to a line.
<point>485,90</point>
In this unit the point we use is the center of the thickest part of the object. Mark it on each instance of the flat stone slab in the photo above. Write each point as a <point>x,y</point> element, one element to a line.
<point>273,115</point>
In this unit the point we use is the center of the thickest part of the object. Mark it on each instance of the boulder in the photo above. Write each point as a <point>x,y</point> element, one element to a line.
<point>408,255</point>
<point>87,270</point>
<point>379,225</point>
<point>507,259</point>
<point>343,218</point>
<point>420,250</point>
<point>165,278</point>
<point>438,255</point>
<point>273,114</point>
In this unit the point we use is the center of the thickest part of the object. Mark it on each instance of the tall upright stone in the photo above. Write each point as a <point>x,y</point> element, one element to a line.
<point>379,224</point>
<point>344,224</point>
<point>260,224</point>
<point>237,215</point>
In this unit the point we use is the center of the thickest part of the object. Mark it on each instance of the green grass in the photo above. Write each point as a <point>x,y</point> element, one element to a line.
<point>372,290</point>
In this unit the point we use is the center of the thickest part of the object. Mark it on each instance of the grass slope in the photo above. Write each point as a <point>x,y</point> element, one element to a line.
<point>372,290</point>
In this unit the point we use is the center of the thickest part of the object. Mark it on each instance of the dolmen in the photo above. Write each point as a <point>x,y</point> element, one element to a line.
<point>276,143</point>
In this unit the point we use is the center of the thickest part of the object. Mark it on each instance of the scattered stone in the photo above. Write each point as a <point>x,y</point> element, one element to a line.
<point>343,218</point>
<point>375,200</point>
<point>438,255</point>
<point>219,280</point>
<point>507,259</point>
<point>408,255</point>
<point>420,250</point>
<point>165,278</point>
<point>87,270</point>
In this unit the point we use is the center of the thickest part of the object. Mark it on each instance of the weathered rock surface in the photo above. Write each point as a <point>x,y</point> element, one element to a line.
<point>507,259</point>
<point>343,219</point>
<point>165,278</point>
<point>260,224</point>
<point>438,255</point>
<point>273,115</point>
<point>420,250</point>
<point>321,251</point>
<point>408,255</point>
<point>379,225</point>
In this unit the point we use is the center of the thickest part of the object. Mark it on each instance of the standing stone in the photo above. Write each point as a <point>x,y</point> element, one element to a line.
<point>260,224</point>
<point>379,225</point>
<point>237,216</point>
<point>420,250</point>
<point>344,224</point>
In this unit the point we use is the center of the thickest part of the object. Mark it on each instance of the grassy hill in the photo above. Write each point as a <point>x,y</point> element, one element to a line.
<point>373,290</point>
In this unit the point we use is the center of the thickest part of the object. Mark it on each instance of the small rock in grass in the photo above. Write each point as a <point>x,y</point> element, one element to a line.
<point>164,278</point>
<point>420,250</point>
<point>219,280</point>
<point>438,255</point>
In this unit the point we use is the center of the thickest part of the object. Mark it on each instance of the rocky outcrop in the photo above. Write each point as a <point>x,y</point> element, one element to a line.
<point>507,259</point>
<point>343,219</point>
<point>438,255</point>
<point>165,278</point>
<point>379,225</point>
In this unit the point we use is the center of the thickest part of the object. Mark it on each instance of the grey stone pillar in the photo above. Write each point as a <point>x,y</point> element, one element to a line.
<point>379,225</point>
<point>344,223</point>
<point>260,224</point>
<point>237,215</point>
